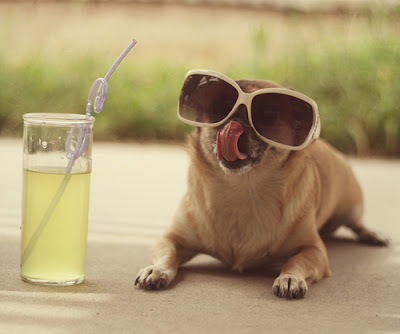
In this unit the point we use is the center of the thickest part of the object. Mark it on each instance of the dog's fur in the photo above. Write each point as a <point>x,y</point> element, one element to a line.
<point>274,204</point>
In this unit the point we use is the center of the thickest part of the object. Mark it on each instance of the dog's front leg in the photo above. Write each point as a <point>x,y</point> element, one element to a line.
<point>167,256</point>
<point>310,264</point>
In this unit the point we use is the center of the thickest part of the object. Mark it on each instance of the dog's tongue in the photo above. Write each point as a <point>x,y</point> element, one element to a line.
<point>227,142</point>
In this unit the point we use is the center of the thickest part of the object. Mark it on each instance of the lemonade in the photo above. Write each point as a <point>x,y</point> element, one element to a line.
<point>56,255</point>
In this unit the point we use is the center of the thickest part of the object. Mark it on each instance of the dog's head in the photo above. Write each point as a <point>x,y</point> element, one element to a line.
<point>245,148</point>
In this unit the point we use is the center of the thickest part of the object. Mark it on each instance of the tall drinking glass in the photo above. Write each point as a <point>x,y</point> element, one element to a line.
<point>55,201</point>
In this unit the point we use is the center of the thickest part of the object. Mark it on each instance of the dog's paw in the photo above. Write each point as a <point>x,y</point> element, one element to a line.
<point>373,239</point>
<point>154,278</point>
<point>289,286</point>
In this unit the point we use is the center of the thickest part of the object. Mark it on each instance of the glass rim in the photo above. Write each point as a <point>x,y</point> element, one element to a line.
<point>56,118</point>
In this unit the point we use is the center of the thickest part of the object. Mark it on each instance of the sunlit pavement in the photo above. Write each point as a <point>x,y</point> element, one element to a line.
<point>134,192</point>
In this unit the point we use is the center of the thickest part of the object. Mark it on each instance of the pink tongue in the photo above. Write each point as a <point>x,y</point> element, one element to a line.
<point>227,142</point>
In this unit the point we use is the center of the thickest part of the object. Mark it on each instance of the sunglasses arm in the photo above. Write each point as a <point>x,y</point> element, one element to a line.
<point>317,129</point>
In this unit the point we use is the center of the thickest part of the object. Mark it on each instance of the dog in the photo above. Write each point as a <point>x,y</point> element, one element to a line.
<point>271,203</point>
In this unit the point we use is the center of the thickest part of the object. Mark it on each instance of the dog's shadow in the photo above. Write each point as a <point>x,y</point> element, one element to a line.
<point>343,252</point>
<point>204,267</point>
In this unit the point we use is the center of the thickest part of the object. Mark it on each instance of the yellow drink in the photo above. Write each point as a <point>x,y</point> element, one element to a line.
<point>56,255</point>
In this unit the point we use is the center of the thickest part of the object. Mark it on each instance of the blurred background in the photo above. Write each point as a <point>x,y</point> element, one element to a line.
<point>343,54</point>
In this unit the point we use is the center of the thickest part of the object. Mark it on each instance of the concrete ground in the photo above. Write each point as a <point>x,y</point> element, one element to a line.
<point>134,192</point>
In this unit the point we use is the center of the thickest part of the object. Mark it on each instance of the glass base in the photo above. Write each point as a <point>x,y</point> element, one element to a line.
<point>53,283</point>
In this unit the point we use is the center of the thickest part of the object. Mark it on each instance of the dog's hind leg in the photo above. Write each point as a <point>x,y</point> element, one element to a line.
<point>366,236</point>
<point>353,220</point>
<point>329,228</point>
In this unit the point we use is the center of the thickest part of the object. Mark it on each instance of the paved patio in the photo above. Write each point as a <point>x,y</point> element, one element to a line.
<point>134,192</point>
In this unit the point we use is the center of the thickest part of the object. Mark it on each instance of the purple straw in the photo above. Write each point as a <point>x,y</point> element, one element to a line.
<point>100,85</point>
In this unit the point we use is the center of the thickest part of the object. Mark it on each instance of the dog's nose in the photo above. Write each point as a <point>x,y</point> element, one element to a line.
<point>241,115</point>
<point>227,142</point>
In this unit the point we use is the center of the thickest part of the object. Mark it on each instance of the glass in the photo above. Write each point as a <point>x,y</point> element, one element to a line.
<point>55,202</point>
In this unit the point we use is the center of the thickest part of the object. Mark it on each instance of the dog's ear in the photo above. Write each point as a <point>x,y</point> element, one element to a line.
<point>250,86</point>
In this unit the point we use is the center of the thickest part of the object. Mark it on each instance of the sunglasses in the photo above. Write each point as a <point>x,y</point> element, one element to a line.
<point>280,117</point>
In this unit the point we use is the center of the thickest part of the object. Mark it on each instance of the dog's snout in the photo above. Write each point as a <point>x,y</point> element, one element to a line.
<point>240,113</point>
<point>241,116</point>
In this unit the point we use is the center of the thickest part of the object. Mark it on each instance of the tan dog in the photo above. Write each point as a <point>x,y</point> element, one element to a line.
<point>273,204</point>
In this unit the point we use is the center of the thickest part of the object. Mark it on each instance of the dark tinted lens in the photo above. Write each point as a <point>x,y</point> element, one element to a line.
<point>282,118</point>
<point>206,99</point>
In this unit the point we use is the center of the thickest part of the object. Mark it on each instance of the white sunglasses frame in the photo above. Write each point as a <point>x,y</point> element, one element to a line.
<point>246,99</point>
